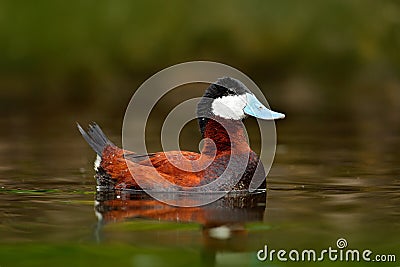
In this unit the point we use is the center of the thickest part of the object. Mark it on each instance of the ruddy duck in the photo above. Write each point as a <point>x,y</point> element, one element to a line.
<point>220,112</point>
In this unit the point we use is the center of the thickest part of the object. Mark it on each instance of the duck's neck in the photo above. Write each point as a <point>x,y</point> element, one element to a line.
<point>226,134</point>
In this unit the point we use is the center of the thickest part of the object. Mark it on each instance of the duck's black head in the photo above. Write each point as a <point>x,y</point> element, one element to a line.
<point>230,99</point>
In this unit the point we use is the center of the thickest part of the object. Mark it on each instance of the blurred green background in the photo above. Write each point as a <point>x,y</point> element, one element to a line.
<point>306,55</point>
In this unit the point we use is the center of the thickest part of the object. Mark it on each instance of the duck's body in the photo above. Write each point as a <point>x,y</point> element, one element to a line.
<point>225,137</point>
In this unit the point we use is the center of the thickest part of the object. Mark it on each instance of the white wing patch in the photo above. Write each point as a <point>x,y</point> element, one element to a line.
<point>97,163</point>
<point>230,107</point>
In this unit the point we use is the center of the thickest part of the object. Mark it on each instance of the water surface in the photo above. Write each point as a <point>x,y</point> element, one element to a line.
<point>333,177</point>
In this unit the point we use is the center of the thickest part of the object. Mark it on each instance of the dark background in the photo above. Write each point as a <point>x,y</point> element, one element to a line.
<point>339,56</point>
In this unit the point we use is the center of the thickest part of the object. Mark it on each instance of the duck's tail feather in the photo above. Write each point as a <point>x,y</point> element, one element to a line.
<point>95,138</point>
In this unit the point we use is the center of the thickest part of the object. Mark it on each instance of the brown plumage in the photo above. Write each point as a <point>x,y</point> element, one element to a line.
<point>225,152</point>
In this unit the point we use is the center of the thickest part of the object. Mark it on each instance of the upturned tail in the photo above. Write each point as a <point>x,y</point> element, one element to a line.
<point>95,137</point>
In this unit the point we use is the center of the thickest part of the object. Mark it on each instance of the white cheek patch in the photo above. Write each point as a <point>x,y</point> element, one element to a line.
<point>230,107</point>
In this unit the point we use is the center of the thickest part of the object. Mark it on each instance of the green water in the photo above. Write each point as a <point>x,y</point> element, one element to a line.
<point>333,177</point>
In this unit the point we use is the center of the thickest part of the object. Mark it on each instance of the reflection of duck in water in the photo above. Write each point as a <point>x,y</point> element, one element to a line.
<point>235,207</point>
<point>223,224</point>
<point>218,219</point>
<point>220,113</point>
